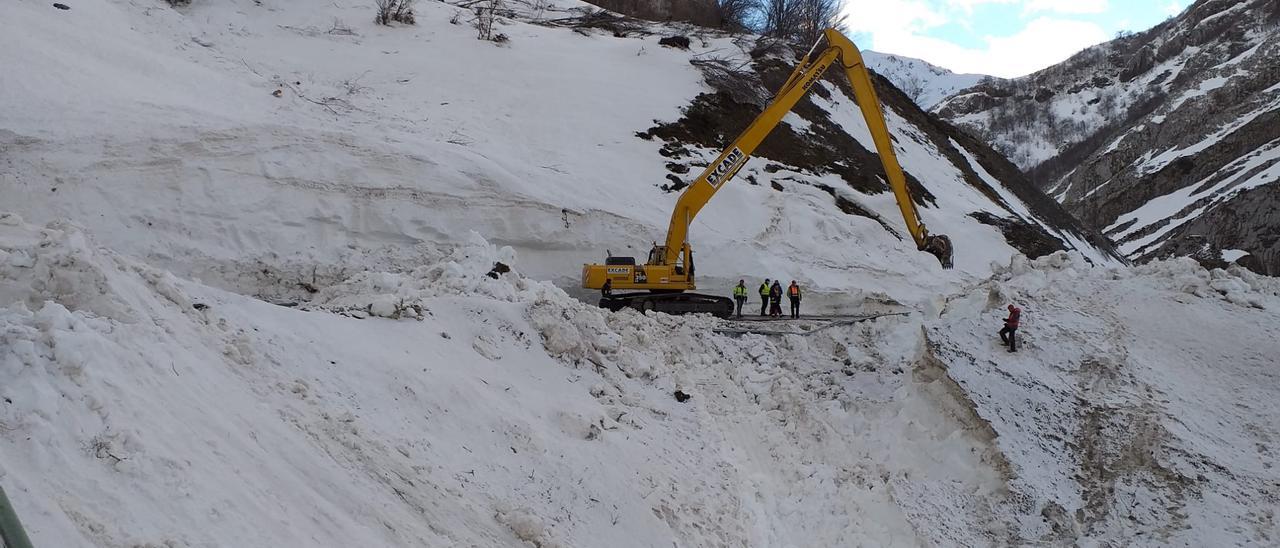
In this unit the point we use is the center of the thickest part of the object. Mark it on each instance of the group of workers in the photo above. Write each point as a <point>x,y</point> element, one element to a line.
<point>770,298</point>
<point>771,304</point>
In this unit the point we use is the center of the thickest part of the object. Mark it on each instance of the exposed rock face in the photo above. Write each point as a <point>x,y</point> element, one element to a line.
<point>698,12</point>
<point>1165,140</point>
<point>1251,222</point>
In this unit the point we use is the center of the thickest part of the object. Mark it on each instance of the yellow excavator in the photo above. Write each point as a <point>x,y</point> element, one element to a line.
<point>663,281</point>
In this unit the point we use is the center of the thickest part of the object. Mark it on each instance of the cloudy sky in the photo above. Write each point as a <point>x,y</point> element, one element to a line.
<point>998,37</point>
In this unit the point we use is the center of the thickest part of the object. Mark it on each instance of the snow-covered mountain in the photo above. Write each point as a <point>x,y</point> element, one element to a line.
<point>372,149</point>
<point>925,83</point>
<point>1168,140</point>
<point>248,297</point>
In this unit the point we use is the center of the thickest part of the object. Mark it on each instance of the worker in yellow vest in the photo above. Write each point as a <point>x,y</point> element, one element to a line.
<point>740,295</point>
<point>764,297</point>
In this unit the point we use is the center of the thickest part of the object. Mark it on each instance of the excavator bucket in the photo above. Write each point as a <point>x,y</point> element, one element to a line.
<point>939,246</point>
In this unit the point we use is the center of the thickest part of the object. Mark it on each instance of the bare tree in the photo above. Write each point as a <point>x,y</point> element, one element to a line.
<point>913,86</point>
<point>798,20</point>
<point>815,16</point>
<point>779,18</point>
<point>400,11</point>
<point>539,7</point>
<point>739,15</point>
<point>486,15</point>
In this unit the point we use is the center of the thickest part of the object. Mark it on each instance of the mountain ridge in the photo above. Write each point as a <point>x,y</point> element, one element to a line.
<point>1144,135</point>
<point>927,84</point>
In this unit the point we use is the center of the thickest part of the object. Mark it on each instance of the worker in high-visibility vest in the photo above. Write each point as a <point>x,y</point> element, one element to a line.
<point>740,295</point>
<point>764,297</point>
<point>794,293</point>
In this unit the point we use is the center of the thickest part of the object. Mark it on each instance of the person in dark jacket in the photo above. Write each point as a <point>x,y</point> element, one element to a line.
<point>793,293</point>
<point>764,297</point>
<point>606,290</point>
<point>1011,328</point>
<point>775,300</point>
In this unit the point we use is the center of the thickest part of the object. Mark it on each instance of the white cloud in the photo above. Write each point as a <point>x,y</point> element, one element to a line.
<point>1065,6</point>
<point>901,27</point>
<point>967,5</point>
<point>1030,6</point>
<point>899,15</point>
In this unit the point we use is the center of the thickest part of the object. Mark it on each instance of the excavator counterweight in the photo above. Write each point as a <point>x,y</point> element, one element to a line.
<point>661,283</point>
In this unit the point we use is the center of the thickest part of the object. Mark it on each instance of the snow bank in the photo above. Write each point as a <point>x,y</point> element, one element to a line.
<point>140,408</point>
<point>1136,409</point>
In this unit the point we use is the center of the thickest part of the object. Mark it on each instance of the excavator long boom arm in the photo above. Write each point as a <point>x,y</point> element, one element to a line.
<point>832,47</point>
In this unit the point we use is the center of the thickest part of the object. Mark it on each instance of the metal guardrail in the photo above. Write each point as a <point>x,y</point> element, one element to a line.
<point>12,534</point>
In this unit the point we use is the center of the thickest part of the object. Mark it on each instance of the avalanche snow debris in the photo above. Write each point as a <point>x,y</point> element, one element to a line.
<point>1108,423</point>
<point>140,414</point>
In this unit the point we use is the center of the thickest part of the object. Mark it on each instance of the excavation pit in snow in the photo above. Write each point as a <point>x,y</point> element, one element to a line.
<point>805,325</point>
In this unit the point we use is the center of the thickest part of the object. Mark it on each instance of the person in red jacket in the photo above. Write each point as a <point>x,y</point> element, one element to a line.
<point>1011,328</point>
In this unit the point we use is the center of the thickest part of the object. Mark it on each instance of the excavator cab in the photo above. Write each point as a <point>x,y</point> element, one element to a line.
<point>656,254</point>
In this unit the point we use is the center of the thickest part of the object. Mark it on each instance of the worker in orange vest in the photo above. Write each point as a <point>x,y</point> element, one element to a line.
<point>794,293</point>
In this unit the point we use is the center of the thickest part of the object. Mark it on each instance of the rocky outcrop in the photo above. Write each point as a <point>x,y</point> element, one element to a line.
<point>1250,224</point>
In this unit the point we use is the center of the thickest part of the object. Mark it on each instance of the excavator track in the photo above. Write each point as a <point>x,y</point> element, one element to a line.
<point>671,303</point>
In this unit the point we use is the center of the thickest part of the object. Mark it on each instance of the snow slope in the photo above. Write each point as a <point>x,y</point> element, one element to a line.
<point>1130,403</point>
<point>141,408</point>
<point>388,141</point>
<point>443,407</point>
<point>927,84</point>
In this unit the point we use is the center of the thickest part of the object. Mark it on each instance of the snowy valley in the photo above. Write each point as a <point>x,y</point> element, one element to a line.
<point>248,297</point>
